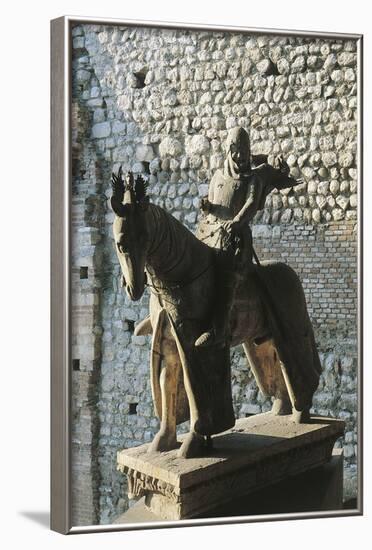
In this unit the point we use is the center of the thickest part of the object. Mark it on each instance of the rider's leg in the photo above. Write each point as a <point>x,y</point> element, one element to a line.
<point>218,333</point>
<point>231,264</point>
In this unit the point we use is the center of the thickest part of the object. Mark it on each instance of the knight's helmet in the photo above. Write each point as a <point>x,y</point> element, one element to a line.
<point>239,136</point>
<point>238,139</point>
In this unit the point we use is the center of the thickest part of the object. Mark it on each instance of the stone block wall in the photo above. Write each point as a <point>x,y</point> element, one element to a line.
<point>160,103</point>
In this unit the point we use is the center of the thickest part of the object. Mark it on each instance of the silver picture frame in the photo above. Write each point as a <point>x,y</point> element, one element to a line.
<point>61,174</point>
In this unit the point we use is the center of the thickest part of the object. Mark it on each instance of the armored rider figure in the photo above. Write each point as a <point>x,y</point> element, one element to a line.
<point>236,194</point>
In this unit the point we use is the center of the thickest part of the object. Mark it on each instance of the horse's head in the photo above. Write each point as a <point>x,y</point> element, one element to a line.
<point>129,203</point>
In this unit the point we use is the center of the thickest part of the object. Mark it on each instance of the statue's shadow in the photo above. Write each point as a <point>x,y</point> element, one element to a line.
<point>236,444</point>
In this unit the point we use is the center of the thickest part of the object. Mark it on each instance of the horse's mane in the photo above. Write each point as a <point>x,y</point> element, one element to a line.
<point>180,236</point>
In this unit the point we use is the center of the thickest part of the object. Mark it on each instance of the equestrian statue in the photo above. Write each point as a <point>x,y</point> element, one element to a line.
<point>209,292</point>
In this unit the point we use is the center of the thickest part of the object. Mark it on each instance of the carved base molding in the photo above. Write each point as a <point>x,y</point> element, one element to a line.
<point>259,451</point>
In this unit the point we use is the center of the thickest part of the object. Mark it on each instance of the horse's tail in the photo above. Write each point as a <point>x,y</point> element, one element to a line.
<point>285,303</point>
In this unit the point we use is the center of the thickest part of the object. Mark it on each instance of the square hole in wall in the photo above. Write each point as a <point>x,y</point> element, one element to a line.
<point>140,78</point>
<point>76,364</point>
<point>130,325</point>
<point>83,273</point>
<point>133,408</point>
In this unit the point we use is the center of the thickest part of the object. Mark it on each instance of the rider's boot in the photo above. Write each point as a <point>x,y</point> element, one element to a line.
<point>212,337</point>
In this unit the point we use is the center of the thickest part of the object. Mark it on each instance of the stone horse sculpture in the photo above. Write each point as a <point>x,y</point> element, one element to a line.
<point>269,317</point>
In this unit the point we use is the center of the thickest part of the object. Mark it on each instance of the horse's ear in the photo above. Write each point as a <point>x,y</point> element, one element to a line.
<point>117,206</point>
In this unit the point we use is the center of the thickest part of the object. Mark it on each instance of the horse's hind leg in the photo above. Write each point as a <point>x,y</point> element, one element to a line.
<point>265,365</point>
<point>300,406</point>
<point>282,404</point>
<point>272,379</point>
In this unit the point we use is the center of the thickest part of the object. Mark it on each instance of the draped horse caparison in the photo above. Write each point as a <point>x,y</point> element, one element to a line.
<point>269,318</point>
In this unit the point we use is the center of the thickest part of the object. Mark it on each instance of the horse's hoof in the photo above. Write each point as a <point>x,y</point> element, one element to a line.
<point>193,446</point>
<point>162,442</point>
<point>300,417</point>
<point>281,407</point>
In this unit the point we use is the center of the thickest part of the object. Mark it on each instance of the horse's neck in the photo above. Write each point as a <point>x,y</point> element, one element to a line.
<point>174,252</point>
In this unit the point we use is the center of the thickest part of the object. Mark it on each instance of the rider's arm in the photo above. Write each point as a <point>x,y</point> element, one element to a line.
<point>248,210</point>
<point>278,177</point>
<point>284,181</point>
<point>257,160</point>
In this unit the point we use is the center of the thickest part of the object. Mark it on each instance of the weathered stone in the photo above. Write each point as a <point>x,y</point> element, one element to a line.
<point>286,216</point>
<point>329,159</point>
<point>346,59</point>
<point>346,159</point>
<point>138,168</point>
<point>342,201</point>
<point>349,451</point>
<point>323,172</point>
<point>312,187</point>
<point>316,215</point>
<point>334,187</point>
<point>197,145</point>
<point>170,147</point>
<point>144,153</point>
<point>266,66</point>
<point>354,201</point>
<point>349,75</point>
<point>292,160</point>
<point>124,102</point>
<point>323,188</point>
<point>337,214</point>
<point>190,218</point>
<point>336,76</point>
<point>83,75</point>
<point>261,231</point>
<point>299,64</point>
<point>330,62</point>
<point>321,201</point>
<point>118,127</point>
<point>78,42</point>
<point>101,130</point>
<point>183,189</point>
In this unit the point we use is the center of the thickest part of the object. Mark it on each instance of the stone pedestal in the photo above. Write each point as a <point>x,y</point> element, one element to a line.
<point>259,452</point>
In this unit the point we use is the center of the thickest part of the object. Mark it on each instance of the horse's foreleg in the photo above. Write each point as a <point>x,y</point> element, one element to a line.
<point>194,444</point>
<point>281,406</point>
<point>166,438</point>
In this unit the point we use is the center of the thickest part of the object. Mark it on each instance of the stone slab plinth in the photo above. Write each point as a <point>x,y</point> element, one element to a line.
<point>259,451</point>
